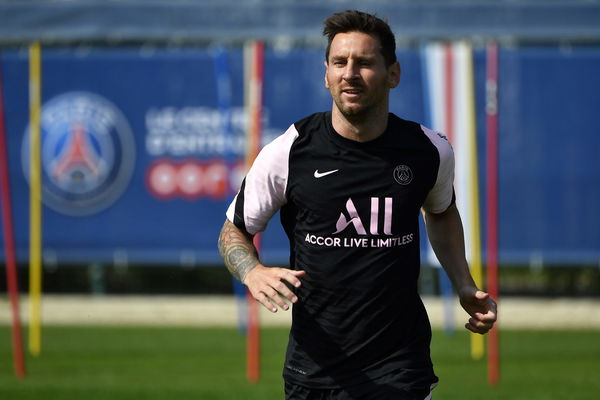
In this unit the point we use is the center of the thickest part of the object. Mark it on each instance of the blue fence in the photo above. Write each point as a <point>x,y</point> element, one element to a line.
<point>134,164</point>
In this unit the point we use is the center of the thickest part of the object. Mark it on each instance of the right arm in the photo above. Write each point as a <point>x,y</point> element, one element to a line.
<point>267,285</point>
<point>263,194</point>
<point>237,250</point>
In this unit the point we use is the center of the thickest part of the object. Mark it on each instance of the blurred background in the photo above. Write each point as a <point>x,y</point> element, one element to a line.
<point>142,212</point>
<point>143,133</point>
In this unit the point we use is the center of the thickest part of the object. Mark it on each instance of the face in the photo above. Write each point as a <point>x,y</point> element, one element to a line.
<point>357,77</point>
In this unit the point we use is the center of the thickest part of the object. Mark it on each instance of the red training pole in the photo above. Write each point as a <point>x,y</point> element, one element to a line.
<point>9,248</point>
<point>492,200</point>
<point>255,100</point>
<point>253,339</point>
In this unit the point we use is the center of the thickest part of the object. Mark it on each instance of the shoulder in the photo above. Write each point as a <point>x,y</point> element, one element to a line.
<point>412,131</point>
<point>441,195</point>
<point>438,139</point>
<point>418,136</point>
<point>279,148</point>
<point>311,123</point>
<point>282,142</point>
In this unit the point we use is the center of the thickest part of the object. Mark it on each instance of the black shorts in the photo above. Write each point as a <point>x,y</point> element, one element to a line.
<point>368,391</point>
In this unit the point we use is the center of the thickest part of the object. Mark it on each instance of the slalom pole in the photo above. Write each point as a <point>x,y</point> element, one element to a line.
<point>477,340</point>
<point>432,89</point>
<point>9,248</point>
<point>491,111</point>
<point>448,92</point>
<point>35,197</point>
<point>254,62</point>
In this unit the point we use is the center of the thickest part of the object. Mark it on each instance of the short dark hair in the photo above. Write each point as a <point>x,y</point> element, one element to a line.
<point>357,21</point>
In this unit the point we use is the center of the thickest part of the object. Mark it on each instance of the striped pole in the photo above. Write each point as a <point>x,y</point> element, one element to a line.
<point>491,111</point>
<point>477,341</point>
<point>9,248</point>
<point>254,70</point>
<point>458,116</point>
<point>434,94</point>
<point>35,198</point>
<point>451,75</point>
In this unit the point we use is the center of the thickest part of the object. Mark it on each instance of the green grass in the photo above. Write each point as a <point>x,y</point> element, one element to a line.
<point>140,363</point>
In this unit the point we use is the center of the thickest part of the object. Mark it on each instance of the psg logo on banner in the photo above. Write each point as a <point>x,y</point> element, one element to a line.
<point>87,153</point>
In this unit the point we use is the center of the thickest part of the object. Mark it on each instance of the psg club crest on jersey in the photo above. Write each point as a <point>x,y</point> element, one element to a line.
<point>87,153</point>
<point>403,174</point>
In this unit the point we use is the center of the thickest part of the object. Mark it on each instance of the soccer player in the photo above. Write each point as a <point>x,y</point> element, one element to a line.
<point>349,184</point>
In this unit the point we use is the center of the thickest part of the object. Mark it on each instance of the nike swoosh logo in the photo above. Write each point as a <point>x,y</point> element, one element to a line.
<point>322,174</point>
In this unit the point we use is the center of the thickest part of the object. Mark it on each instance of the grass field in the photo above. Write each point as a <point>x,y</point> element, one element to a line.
<point>119,363</point>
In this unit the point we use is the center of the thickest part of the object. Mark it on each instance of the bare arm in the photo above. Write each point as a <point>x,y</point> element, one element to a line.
<point>446,235</point>
<point>267,285</point>
<point>237,250</point>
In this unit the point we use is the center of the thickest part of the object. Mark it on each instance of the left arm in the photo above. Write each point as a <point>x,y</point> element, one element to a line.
<point>446,235</point>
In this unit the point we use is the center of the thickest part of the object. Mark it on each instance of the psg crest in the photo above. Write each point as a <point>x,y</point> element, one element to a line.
<point>403,174</point>
<point>87,153</point>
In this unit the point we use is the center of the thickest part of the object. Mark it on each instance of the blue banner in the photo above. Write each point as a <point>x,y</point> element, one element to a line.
<point>138,164</point>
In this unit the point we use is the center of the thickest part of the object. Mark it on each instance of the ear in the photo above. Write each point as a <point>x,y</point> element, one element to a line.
<point>394,74</point>
<point>326,69</point>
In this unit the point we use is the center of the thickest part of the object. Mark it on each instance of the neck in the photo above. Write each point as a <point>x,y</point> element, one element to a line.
<point>359,128</point>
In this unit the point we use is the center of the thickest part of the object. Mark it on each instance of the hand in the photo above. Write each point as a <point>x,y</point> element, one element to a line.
<point>268,286</point>
<point>481,307</point>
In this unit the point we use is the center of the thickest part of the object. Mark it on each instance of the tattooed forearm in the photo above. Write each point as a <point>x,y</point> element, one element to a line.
<point>237,251</point>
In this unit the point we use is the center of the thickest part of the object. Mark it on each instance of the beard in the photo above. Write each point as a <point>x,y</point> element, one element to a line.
<point>353,112</point>
<point>373,97</point>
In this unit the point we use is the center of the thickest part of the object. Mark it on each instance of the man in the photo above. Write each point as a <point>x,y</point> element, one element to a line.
<point>350,184</point>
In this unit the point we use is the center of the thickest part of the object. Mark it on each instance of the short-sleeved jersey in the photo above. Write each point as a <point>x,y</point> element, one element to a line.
<point>350,210</point>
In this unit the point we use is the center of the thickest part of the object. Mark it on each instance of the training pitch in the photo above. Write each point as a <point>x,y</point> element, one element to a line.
<point>90,362</point>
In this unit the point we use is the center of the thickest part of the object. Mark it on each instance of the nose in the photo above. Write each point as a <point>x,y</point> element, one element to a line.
<point>351,71</point>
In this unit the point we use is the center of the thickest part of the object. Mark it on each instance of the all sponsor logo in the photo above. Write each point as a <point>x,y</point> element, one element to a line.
<point>376,236</point>
<point>353,218</point>
<point>87,153</point>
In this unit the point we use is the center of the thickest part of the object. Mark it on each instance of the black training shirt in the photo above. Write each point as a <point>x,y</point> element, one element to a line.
<point>350,210</point>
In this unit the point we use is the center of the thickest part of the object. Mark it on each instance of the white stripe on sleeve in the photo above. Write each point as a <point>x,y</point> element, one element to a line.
<point>440,196</point>
<point>265,184</point>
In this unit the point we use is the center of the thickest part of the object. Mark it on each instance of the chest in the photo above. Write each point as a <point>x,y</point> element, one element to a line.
<point>375,189</point>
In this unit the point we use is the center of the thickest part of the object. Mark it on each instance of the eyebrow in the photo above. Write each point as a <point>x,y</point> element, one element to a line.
<point>358,58</point>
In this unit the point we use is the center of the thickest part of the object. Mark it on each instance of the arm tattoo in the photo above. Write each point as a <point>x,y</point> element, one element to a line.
<point>237,250</point>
